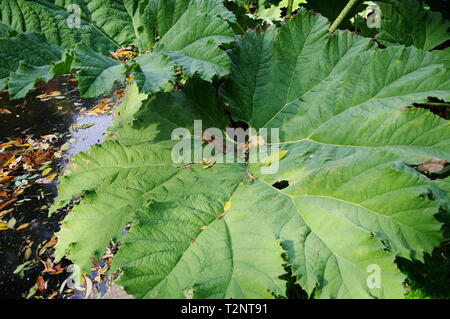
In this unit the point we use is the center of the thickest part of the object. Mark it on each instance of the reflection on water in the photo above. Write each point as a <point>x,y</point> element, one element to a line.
<point>35,117</point>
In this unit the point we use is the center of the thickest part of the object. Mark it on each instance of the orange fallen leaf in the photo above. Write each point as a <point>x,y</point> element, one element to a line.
<point>11,143</point>
<point>47,267</point>
<point>8,203</point>
<point>58,269</point>
<point>5,178</point>
<point>48,95</point>
<point>10,161</point>
<point>52,242</point>
<point>41,284</point>
<point>18,191</point>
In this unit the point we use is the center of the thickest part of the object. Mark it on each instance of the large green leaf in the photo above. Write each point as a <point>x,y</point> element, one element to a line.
<point>98,72</point>
<point>152,19</point>
<point>44,18</point>
<point>443,55</point>
<point>189,32</point>
<point>347,134</point>
<point>26,59</point>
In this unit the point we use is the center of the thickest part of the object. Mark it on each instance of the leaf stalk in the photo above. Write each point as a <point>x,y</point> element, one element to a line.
<point>342,15</point>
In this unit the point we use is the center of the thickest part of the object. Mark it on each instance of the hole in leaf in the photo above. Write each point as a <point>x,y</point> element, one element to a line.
<point>436,106</point>
<point>281,184</point>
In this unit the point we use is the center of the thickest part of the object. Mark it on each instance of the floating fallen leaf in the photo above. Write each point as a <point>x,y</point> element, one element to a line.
<point>101,108</point>
<point>47,180</point>
<point>52,177</point>
<point>49,95</point>
<point>8,162</point>
<point>3,226</point>
<point>11,143</point>
<point>58,269</point>
<point>32,291</point>
<point>119,94</point>
<point>275,158</point>
<point>48,267</point>
<point>46,171</point>
<point>53,295</point>
<point>52,242</point>
<point>18,191</point>
<point>88,287</point>
<point>22,226</point>
<point>5,178</point>
<point>41,284</point>
<point>11,223</point>
<point>6,212</point>
<point>5,111</point>
<point>8,203</point>
<point>27,253</point>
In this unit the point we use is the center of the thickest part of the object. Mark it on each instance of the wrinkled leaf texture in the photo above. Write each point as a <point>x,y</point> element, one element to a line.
<point>341,105</point>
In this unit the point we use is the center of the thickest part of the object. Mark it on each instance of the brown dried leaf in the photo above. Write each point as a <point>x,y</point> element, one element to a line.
<point>433,165</point>
<point>8,203</point>
<point>41,284</point>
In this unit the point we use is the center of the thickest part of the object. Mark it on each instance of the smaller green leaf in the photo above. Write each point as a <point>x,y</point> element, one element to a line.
<point>23,80</point>
<point>443,55</point>
<point>98,72</point>
<point>65,65</point>
<point>407,22</point>
<point>154,72</point>
<point>193,44</point>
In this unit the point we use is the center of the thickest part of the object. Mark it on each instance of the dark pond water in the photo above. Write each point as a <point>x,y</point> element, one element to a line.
<point>36,118</point>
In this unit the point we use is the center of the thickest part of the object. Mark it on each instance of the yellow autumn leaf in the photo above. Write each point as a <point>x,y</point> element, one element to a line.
<point>52,177</point>
<point>46,171</point>
<point>22,226</point>
<point>11,160</point>
<point>47,95</point>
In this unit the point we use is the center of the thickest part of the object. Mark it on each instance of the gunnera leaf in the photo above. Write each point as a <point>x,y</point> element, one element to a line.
<point>188,34</point>
<point>346,136</point>
<point>26,59</point>
<point>407,22</point>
